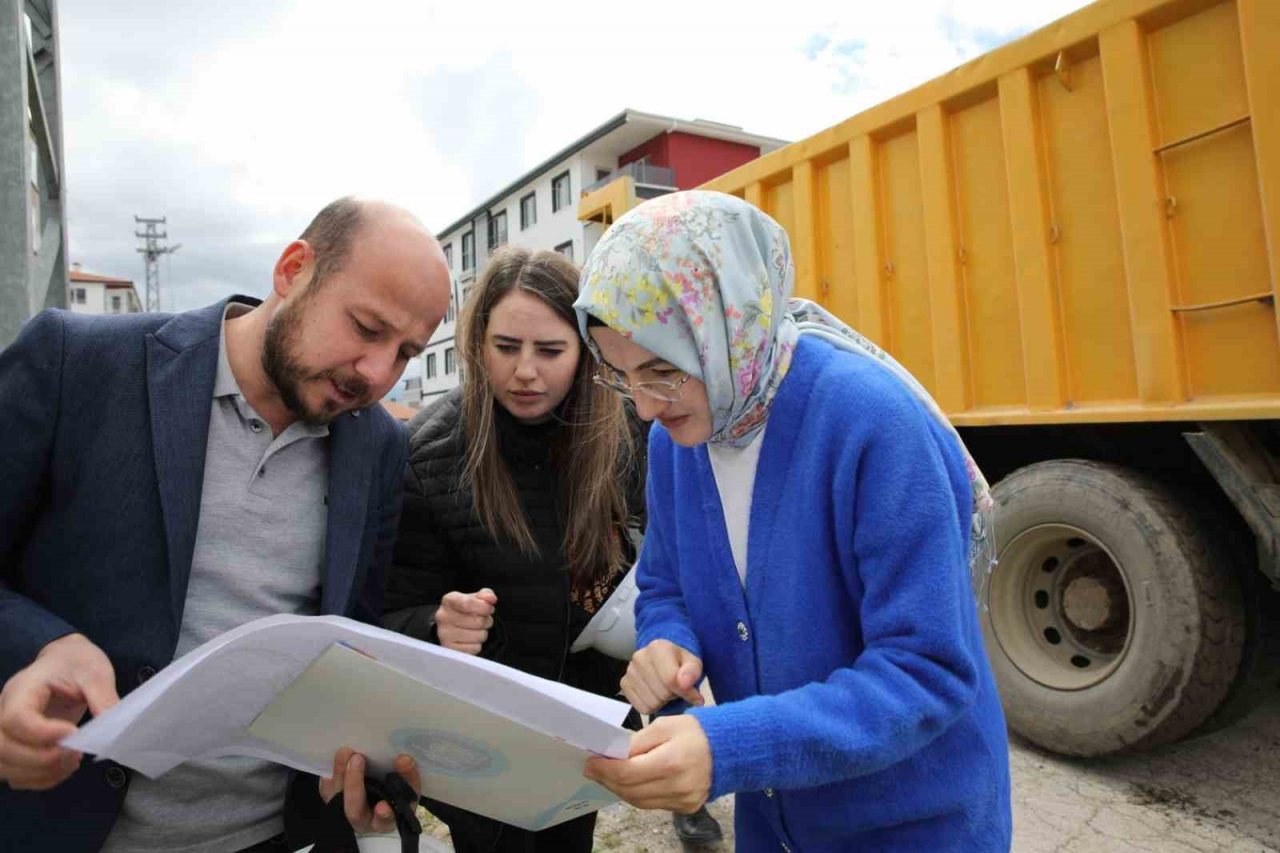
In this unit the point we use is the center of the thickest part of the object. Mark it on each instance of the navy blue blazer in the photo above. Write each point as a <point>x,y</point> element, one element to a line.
<point>103,427</point>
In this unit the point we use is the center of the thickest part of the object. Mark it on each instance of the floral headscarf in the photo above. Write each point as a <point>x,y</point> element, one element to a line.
<point>704,280</point>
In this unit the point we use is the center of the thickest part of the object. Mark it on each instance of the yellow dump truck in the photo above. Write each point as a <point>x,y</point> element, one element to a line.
<point>1074,243</point>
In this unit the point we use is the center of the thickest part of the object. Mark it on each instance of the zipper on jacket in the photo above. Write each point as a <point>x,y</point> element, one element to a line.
<point>568,619</point>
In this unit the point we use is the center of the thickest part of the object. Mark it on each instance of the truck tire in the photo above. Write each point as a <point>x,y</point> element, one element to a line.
<point>1258,677</point>
<point>1111,621</point>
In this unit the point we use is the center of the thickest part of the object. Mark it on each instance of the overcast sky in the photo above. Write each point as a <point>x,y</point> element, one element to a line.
<point>239,119</point>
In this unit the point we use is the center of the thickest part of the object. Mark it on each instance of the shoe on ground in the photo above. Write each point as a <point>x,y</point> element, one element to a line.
<point>697,828</point>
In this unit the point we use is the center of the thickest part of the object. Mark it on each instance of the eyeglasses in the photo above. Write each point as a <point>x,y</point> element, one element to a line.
<point>659,389</point>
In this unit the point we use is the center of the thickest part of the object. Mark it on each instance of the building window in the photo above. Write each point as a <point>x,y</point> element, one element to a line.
<point>431,365</point>
<point>601,174</point>
<point>115,305</point>
<point>468,250</point>
<point>560,192</point>
<point>528,211</point>
<point>566,249</point>
<point>448,255</point>
<point>497,230</point>
<point>448,362</point>
<point>77,296</point>
<point>452,312</point>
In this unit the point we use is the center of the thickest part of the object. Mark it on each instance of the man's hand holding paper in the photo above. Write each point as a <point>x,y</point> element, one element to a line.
<point>41,705</point>
<point>348,779</point>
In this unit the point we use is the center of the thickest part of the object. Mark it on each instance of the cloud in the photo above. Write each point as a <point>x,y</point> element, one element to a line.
<point>238,120</point>
<point>241,124</point>
<point>816,44</point>
<point>469,110</point>
<point>876,51</point>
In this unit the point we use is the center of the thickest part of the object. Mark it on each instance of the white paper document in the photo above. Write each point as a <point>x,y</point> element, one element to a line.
<point>294,689</point>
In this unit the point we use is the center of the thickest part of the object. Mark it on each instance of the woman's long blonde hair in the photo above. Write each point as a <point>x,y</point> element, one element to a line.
<point>595,452</point>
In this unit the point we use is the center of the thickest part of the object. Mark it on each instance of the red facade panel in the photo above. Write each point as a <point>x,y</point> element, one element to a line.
<point>695,159</point>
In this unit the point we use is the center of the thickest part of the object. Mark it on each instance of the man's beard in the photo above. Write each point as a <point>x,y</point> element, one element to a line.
<point>288,374</point>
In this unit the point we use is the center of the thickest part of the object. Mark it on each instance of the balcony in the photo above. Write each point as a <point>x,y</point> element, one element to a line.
<point>645,175</point>
<point>624,188</point>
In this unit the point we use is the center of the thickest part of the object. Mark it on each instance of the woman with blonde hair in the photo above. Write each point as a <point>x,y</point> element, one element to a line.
<point>520,497</point>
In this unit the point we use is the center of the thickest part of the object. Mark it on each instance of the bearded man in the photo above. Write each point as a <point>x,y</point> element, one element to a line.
<point>166,478</point>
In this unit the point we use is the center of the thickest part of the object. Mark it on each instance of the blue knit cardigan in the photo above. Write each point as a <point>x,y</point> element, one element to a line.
<point>856,710</point>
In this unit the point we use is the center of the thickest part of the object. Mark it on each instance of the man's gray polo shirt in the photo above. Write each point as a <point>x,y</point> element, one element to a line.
<point>259,551</point>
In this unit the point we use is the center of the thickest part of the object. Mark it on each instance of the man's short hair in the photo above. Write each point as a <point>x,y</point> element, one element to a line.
<point>330,235</point>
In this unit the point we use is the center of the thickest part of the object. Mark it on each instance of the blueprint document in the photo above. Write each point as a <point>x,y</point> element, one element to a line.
<point>294,689</point>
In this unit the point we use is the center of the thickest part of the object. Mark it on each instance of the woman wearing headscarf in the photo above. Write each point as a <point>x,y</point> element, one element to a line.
<point>812,518</point>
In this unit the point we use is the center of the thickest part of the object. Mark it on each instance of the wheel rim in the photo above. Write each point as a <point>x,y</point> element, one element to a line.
<point>1061,607</point>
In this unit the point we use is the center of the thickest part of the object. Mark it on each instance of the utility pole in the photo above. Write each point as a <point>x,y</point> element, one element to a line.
<point>33,245</point>
<point>151,250</point>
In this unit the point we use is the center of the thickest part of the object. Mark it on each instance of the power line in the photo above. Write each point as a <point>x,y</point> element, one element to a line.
<point>152,249</point>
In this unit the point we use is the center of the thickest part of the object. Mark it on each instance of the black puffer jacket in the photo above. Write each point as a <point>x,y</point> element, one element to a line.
<point>442,547</point>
